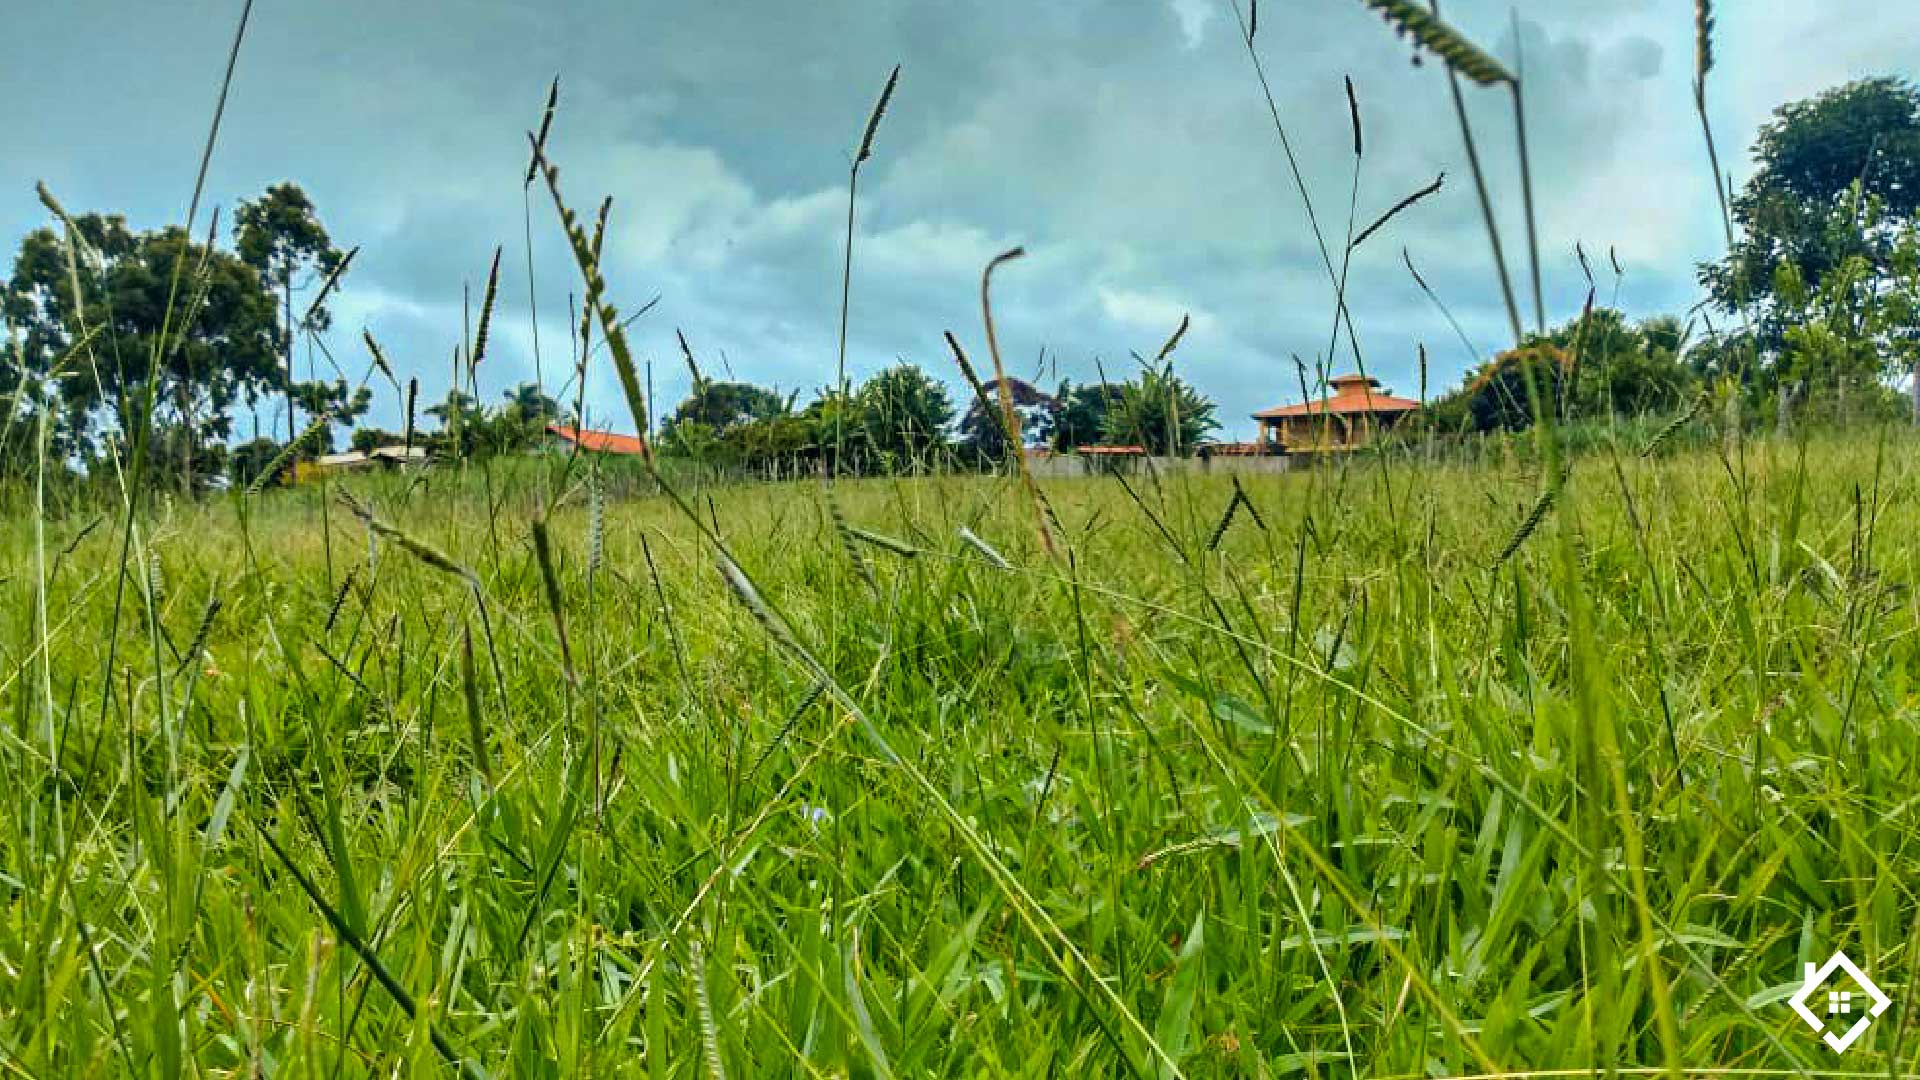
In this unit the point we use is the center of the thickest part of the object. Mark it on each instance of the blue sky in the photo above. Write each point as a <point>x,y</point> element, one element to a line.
<point>1124,144</point>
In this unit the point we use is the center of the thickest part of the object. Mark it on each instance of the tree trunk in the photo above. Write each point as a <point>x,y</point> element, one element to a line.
<point>1913,388</point>
<point>286,345</point>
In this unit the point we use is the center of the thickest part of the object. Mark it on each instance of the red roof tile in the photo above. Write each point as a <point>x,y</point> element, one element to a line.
<point>604,442</point>
<point>1352,394</point>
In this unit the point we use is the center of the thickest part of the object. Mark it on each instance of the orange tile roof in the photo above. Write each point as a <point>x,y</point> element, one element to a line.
<point>604,442</point>
<point>1114,451</point>
<point>1352,394</point>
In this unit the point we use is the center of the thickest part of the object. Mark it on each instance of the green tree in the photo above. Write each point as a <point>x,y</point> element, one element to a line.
<point>1498,397</point>
<point>279,234</point>
<point>787,440</point>
<point>1617,367</point>
<point>904,415</point>
<point>723,405</point>
<point>218,350</point>
<point>248,460</point>
<point>368,439</point>
<point>1854,142</point>
<point>333,402</point>
<point>461,419</point>
<point>1082,416</point>
<point>521,421</point>
<point>1159,412</point>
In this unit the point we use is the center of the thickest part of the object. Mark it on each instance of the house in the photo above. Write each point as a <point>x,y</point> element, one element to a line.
<point>599,442</point>
<point>1358,409</point>
<point>391,457</point>
<point>398,455</point>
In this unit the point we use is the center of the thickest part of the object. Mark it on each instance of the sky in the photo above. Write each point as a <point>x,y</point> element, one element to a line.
<point>1125,144</point>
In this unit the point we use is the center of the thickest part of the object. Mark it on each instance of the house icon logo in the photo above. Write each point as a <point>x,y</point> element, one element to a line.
<point>1867,1002</point>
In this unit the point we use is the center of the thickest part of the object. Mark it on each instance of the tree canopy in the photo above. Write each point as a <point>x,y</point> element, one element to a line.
<point>218,352</point>
<point>1160,412</point>
<point>1820,162</point>
<point>279,234</point>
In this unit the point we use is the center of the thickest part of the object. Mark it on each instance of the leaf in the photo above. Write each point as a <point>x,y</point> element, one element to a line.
<point>1174,1028</point>
<point>223,806</point>
<point>863,1020</point>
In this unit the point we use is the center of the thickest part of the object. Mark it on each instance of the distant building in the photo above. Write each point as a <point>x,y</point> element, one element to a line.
<point>390,457</point>
<point>1358,410</point>
<point>599,442</point>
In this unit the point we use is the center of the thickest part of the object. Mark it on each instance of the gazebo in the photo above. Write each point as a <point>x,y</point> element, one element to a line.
<point>1358,409</point>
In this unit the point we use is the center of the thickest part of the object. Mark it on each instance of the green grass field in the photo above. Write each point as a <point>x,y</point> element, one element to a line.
<point>1342,796</point>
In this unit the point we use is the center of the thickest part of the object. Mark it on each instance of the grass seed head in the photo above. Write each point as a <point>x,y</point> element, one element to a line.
<point>873,120</point>
<point>1429,32</point>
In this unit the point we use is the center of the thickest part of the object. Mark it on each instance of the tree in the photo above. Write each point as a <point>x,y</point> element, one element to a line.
<point>1082,417</point>
<point>460,419</point>
<point>331,402</point>
<point>775,440</point>
<point>1500,395</point>
<point>521,422</point>
<point>368,439</point>
<point>904,414</point>
<point>724,405</point>
<point>1159,412</point>
<point>218,349</point>
<point>836,422</point>
<point>1616,367</point>
<point>250,459</point>
<point>1846,145</point>
<point>980,429</point>
<point>279,234</point>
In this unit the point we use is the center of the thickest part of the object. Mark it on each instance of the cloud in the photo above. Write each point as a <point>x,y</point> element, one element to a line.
<point>1126,145</point>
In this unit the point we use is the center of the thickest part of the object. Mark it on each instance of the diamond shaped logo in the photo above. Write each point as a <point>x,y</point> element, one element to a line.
<point>1839,1002</point>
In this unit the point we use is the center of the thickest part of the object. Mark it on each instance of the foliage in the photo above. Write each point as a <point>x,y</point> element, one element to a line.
<point>246,461</point>
<point>722,406</point>
<point>469,430</point>
<point>520,423</point>
<point>1082,416</point>
<point>904,414</point>
<point>334,402</point>
<point>1160,412</point>
<point>1818,160</point>
<point>980,434</point>
<point>279,234</point>
<point>368,439</point>
<point>1507,392</point>
<point>1595,366</point>
<point>218,352</point>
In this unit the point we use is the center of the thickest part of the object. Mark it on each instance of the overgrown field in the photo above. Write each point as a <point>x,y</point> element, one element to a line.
<point>1344,794</point>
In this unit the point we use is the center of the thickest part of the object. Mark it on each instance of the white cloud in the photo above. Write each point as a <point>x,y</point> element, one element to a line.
<point>1194,15</point>
<point>1152,312</point>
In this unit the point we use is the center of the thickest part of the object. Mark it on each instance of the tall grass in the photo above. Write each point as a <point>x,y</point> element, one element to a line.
<point>1417,767</point>
<point>1416,838</point>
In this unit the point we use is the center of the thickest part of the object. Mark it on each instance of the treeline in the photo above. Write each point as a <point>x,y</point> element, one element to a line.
<point>903,420</point>
<point>110,330</point>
